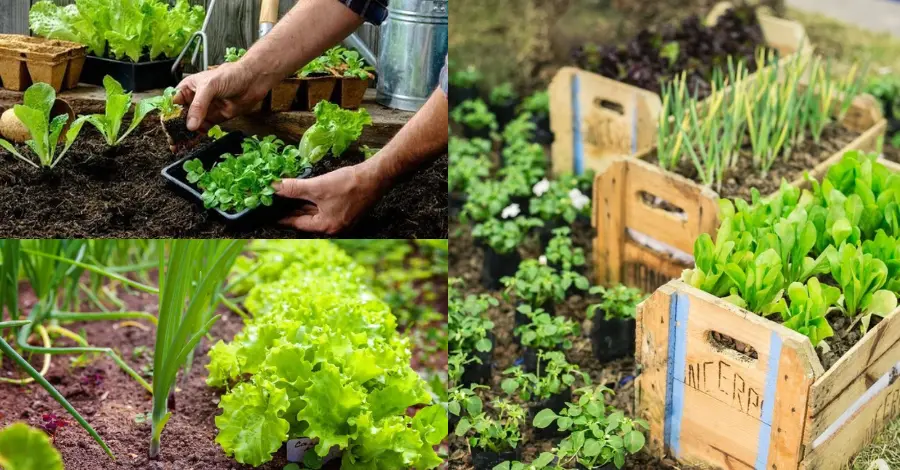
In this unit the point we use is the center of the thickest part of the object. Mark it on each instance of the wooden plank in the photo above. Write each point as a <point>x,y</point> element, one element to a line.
<point>288,126</point>
<point>14,17</point>
<point>645,269</point>
<point>652,353</point>
<point>853,374</point>
<point>862,422</point>
<point>610,186</point>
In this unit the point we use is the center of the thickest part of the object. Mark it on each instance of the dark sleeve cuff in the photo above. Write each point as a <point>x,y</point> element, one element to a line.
<point>374,11</point>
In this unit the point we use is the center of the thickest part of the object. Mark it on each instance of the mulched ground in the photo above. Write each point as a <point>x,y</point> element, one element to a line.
<point>119,193</point>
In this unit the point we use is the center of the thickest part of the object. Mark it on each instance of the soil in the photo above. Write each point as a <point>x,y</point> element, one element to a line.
<point>644,61</point>
<point>178,135</point>
<point>97,192</point>
<point>737,181</point>
<point>110,400</point>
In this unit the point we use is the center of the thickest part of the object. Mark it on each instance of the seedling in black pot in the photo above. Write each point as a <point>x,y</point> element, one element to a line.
<point>613,330</point>
<point>500,239</point>
<point>544,333</point>
<point>493,439</point>
<point>504,101</point>
<point>476,119</point>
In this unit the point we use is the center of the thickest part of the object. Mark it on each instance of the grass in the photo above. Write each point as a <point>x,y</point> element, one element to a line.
<point>885,447</point>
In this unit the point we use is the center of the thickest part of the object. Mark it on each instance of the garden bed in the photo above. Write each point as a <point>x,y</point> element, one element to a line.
<point>647,218</point>
<point>112,402</point>
<point>101,192</point>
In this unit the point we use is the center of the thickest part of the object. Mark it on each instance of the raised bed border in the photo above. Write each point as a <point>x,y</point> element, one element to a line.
<point>619,210</point>
<point>713,406</point>
<point>594,117</point>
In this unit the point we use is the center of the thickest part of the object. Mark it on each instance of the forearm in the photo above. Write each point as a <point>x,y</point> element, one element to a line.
<point>308,29</point>
<point>421,140</point>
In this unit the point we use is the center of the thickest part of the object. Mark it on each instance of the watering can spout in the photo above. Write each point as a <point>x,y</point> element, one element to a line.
<point>354,42</point>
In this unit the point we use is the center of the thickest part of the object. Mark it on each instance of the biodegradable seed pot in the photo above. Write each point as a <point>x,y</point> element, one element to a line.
<point>487,460</point>
<point>351,92</point>
<point>498,265</point>
<point>284,94</point>
<point>612,339</point>
<point>316,88</point>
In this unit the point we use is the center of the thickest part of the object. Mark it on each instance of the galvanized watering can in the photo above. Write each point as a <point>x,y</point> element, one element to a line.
<point>413,52</point>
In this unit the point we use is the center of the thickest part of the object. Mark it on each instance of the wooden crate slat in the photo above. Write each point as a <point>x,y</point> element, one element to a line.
<point>688,388</point>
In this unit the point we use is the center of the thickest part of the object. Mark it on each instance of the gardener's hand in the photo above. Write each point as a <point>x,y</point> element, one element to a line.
<point>337,199</point>
<point>218,95</point>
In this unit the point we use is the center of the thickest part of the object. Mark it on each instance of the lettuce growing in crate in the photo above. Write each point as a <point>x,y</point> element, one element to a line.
<point>861,277</point>
<point>45,132</point>
<point>118,103</point>
<point>320,358</point>
<point>808,306</point>
<point>335,129</point>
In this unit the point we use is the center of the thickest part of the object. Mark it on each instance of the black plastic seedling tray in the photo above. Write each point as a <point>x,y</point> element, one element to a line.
<point>209,155</point>
<point>140,76</point>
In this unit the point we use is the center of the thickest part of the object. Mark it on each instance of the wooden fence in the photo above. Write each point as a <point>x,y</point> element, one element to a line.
<point>234,23</point>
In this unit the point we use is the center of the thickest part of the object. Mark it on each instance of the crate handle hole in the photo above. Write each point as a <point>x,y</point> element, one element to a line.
<point>610,105</point>
<point>721,341</point>
<point>655,202</point>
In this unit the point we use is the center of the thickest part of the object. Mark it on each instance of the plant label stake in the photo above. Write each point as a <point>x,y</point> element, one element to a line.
<point>297,448</point>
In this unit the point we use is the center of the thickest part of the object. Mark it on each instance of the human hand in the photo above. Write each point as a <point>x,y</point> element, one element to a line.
<point>337,199</point>
<point>218,95</point>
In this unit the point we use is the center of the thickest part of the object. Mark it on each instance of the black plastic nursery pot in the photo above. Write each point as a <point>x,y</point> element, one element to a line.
<point>609,466</point>
<point>459,94</point>
<point>134,76</point>
<point>612,339</point>
<point>498,265</point>
<point>209,155</point>
<point>457,201</point>
<point>556,403</point>
<point>542,133</point>
<point>480,373</point>
<point>481,133</point>
<point>486,460</point>
<point>504,112</point>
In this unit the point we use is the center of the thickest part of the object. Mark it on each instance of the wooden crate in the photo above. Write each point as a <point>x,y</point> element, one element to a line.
<point>636,242</point>
<point>593,117</point>
<point>715,407</point>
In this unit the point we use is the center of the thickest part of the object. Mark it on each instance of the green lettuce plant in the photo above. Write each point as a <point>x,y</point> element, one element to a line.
<point>335,129</point>
<point>244,181</point>
<point>168,109</point>
<point>234,54</point>
<point>134,30</point>
<point>45,132</point>
<point>886,249</point>
<point>320,357</point>
<point>355,66</point>
<point>808,306</point>
<point>25,448</point>
<point>118,103</point>
<point>861,277</point>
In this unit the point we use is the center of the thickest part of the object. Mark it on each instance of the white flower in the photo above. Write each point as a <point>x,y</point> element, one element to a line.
<point>579,200</point>
<point>541,187</point>
<point>542,260</point>
<point>510,211</point>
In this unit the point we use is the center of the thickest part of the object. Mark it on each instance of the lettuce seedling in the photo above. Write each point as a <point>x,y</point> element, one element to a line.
<point>35,115</point>
<point>233,54</point>
<point>245,181</point>
<point>335,129</point>
<point>758,284</point>
<point>793,239</point>
<point>117,105</point>
<point>167,107</point>
<point>861,277</point>
<point>808,307</point>
<point>355,65</point>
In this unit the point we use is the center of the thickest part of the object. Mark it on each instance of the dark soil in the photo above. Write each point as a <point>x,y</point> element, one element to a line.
<point>119,193</point>
<point>844,338</point>
<point>178,135</point>
<point>644,62</point>
<point>737,181</point>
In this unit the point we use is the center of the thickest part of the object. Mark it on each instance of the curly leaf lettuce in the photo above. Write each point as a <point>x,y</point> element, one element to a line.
<point>25,448</point>
<point>251,426</point>
<point>335,129</point>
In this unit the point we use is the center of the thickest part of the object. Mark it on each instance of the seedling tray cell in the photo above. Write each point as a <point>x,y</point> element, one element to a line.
<point>176,178</point>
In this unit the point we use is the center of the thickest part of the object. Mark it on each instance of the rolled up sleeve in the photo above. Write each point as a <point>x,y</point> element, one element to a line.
<point>374,11</point>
